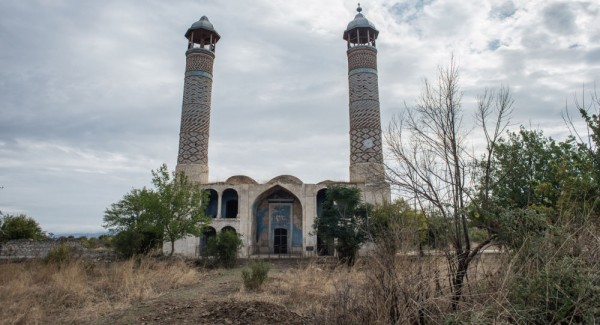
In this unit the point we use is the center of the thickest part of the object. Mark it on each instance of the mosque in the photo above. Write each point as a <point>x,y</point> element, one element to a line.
<point>277,217</point>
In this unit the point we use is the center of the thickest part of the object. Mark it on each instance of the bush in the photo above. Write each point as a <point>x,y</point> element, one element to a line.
<point>224,248</point>
<point>19,227</point>
<point>60,255</point>
<point>564,291</point>
<point>131,242</point>
<point>255,275</point>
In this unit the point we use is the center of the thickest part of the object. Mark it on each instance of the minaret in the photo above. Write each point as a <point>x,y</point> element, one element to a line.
<point>366,157</point>
<point>195,112</point>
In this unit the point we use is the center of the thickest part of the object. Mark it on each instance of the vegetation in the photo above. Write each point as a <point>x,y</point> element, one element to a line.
<point>144,218</point>
<point>61,255</point>
<point>224,248</point>
<point>254,276</point>
<point>20,227</point>
<point>344,219</point>
<point>432,163</point>
<point>81,292</point>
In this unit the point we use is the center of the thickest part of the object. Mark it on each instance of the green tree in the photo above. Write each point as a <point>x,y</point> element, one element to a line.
<point>20,227</point>
<point>177,205</point>
<point>132,221</point>
<point>224,248</point>
<point>530,171</point>
<point>145,218</point>
<point>344,219</point>
<point>396,224</point>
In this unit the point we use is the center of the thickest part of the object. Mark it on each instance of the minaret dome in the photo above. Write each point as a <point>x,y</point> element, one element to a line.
<point>202,34</point>
<point>360,31</point>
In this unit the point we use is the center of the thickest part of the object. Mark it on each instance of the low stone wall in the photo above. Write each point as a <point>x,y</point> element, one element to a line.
<point>27,249</point>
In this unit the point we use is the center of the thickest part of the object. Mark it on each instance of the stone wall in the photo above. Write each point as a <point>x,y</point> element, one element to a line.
<point>27,249</point>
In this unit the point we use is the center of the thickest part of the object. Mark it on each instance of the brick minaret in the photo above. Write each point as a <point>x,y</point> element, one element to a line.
<point>195,112</point>
<point>366,157</point>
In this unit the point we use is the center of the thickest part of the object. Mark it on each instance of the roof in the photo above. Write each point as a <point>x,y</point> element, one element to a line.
<point>360,21</point>
<point>357,24</point>
<point>205,26</point>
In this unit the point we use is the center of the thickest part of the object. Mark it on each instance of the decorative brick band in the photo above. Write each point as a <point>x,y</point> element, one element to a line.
<point>362,70</point>
<point>200,61</point>
<point>199,74</point>
<point>362,57</point>
<point>363,86</point>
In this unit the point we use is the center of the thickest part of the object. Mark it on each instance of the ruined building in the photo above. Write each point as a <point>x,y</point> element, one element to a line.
<point>277,217</point>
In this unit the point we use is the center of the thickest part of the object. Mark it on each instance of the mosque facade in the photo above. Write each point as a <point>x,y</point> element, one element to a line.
<point>277,217</point>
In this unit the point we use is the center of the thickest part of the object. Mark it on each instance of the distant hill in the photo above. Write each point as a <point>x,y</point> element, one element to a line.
<point>80,234</point>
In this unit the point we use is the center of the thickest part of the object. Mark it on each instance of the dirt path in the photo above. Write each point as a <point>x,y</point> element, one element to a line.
<point>212,301</point>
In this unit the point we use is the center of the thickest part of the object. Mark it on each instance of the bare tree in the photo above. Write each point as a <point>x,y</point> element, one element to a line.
<point>431,162</point>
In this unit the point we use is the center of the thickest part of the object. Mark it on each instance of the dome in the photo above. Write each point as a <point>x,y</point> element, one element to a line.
<point>285,179</point>
<point>203,24</point>
<point>360,22</point>
<point>240,179</point>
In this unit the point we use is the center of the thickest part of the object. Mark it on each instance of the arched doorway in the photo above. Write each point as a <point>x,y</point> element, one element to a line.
<point>280,243</point>
<point>229,204</point>
<point>213,202</point>
<point>229,228</point>
<point>323,246</point>
<point>208,233</point>
<point>277,223</point>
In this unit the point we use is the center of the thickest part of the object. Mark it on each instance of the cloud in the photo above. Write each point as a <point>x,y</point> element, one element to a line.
<point>91,91</point>
<point>503,11</point>
<point>559,18</point>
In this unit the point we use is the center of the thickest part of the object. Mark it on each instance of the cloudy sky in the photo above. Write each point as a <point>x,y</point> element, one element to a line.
<point>90,91</point>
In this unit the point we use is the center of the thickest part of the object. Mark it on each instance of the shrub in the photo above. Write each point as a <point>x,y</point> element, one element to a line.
<point>564,291</point>
<point>255,275</point>
<point>224,248</point>
<point>131,242</point>
<point>60,255</point>
<point>19,227</point>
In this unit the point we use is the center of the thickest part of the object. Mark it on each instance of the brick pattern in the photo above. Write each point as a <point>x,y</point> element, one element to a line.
<point>359,151</point>
<point>200,62</point>
<point>365,120</point>
<point>362,58</point>
<point>364,115</point>
<point>363,86</point>
<point>195,113</point>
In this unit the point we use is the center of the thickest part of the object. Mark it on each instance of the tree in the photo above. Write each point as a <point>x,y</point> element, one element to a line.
<point>136,230</point>
<point>171,210</point>
<point>344,219</point>
<point>224,247</point>
<point>19,227</point>
<point>397,223</point>
<point>432,163</point>
<point>177,206</point>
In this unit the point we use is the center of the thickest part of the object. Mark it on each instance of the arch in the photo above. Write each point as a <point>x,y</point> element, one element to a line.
<point>229,228</point>
<point>207,234</point>
<point>213,203</point>
<point>277,208</point>
<point>323,246</point>
<point>229,203</point>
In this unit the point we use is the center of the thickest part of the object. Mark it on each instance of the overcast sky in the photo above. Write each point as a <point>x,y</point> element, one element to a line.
<point>90,91</point>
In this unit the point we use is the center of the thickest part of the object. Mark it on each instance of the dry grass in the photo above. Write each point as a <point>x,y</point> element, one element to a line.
<point>379,289</point>
<point>78,292</point>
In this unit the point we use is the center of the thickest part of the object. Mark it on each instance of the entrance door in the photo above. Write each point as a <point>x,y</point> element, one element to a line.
<point>280,241</point>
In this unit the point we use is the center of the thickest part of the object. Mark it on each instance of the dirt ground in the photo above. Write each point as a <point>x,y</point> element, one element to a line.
<point>213,301</point>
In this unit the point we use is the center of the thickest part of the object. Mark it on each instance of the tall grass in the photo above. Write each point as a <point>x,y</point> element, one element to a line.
<point>79,291</point>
